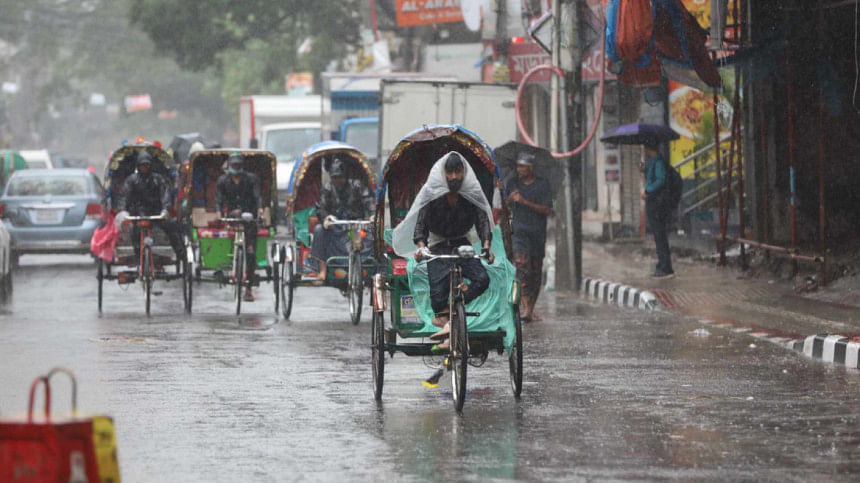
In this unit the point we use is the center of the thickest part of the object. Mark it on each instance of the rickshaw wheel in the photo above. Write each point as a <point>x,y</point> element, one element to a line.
<point>515,359</point>
<point>276,282</point>
<point>459,355</point>
<point>356,288</point>
<point>100,277</point>
<point>147,276</point>
<point>187,285</point>
<point>377,343</point>
<point>238,269</point>
<point>287,287</point>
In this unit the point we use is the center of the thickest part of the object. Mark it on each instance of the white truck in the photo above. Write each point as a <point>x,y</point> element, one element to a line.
<point>485,109</point>
<point>350,106</point>
<point>284,125</point>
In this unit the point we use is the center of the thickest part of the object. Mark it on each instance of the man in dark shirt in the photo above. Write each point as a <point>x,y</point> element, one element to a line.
<point>342,199</point>
<point>238,192</point>
<point>146,193</point>
<point>442,226</point>
<point>531,201</point>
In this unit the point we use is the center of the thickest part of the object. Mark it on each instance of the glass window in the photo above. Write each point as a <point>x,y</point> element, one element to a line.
<point>48,185</point>
<point>288,144</point>
<point>364,136</point>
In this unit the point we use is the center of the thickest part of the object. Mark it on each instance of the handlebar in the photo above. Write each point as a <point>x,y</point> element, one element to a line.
<point>350,222</point>
<point>245,218</point>
<point>464,252</point>
<point>145,218</point>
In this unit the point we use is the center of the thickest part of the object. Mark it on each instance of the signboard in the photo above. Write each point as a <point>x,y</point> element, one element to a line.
<point>141,102</point>
<point>524,57</point>
<point>300,83</point>
<point>425,12</point>
<point>612,168</point>
<point>691,114</point>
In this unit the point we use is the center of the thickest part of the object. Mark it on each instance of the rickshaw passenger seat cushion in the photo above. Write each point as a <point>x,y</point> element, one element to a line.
<point>493,306</point>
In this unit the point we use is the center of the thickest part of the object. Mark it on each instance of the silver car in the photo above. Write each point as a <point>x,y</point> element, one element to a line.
<point>51,210</point>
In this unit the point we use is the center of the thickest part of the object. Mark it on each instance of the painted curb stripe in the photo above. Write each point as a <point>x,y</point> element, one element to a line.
<point>836,349</point>
<point>618,294</point>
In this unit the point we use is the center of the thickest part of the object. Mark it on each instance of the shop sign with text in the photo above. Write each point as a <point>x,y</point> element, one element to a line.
<point>425,12</point>
<point>524,57</point>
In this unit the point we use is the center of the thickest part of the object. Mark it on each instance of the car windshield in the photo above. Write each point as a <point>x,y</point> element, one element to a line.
<point>37,164</point>
<point>47,185</point>
<point>288,144</point>
<point>363,136</point>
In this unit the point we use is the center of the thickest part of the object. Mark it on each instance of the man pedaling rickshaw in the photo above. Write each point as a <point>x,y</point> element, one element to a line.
<point>457,204</point>
<point>343,199</point>
<point>146,193</point>
<point>237,192</point>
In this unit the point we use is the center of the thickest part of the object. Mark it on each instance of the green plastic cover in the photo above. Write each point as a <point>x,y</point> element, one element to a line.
<point>493,305</point>
<point>300,221</point>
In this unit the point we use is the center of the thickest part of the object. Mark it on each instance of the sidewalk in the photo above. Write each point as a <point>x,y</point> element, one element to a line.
<point>768,309</point>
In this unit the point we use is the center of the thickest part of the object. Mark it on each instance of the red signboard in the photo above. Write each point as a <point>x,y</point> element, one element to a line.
<point>591,66</point>
<point>523,57</point>
<point>424,12</point>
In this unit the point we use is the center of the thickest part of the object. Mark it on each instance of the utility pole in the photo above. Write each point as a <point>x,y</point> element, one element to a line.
<point>565,131</point>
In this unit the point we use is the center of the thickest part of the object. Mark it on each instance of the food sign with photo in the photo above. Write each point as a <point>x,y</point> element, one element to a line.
<point>691,114</point>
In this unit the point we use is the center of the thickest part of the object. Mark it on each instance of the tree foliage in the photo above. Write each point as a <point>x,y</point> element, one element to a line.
<point>200,34</point>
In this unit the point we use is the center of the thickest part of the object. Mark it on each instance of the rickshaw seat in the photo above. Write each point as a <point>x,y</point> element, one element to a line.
<point>225,233</point>
<point>202,218</point>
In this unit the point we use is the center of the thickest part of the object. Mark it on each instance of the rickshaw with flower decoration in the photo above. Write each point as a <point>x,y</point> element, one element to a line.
<point>218,244</point>
<point>148,257</point>
<point>350,272</point>
<point>490,322</point>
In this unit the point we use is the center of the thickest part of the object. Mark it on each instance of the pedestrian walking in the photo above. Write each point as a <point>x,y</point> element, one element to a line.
<point>530,197</point>
<point>658,209</point>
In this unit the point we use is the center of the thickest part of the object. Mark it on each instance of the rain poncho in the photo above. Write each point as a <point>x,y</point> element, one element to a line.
<point>436,187</point>
<point>493,305</point>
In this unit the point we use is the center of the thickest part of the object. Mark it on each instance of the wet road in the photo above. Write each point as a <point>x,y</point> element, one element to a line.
<point>608,393</point>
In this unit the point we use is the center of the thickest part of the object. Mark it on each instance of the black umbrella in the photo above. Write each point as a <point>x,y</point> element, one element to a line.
<point>544,164</point>
<point>639,133</point>
<point>181,145</point>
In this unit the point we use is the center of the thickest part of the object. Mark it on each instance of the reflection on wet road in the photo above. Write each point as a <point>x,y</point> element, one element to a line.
<point>608,394</point>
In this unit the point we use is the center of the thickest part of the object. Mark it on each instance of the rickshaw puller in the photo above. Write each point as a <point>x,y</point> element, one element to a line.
<point>443,225</point>
<point>341,198</point>
<point>146,193</point>
<point>237,192</point>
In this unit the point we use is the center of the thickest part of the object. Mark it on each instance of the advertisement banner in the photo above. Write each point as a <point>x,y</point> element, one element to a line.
<point>524,57</point>
<point>300,83</point>
<point>691,114</point>
<point>424,12</point>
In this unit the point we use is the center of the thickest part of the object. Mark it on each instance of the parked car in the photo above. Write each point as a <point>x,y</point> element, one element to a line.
<point>37,158</point>
<point>51,211</point>
<point>5,262</point>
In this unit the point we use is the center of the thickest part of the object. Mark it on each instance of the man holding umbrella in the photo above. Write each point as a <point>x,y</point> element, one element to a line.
<point>657,209</point>
<point>657,196</point>
<point>530,198</point>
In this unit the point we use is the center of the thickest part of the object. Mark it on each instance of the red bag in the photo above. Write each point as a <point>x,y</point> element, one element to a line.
<point>635,29</point>
<point>103,242</point>
<point>73,450</point>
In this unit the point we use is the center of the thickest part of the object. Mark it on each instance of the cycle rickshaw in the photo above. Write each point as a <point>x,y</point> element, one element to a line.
<point>156,254</point>
<point>490,323</point>
<point>218,244</point>
<point>351,273</point>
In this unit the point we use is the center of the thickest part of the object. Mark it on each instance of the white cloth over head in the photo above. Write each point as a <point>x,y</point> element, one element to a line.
<point>436,187</point>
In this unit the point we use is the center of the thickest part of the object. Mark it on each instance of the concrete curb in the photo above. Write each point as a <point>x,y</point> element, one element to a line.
<point>830,348</point>
<point>835,349</point>
<point>618,294</point>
